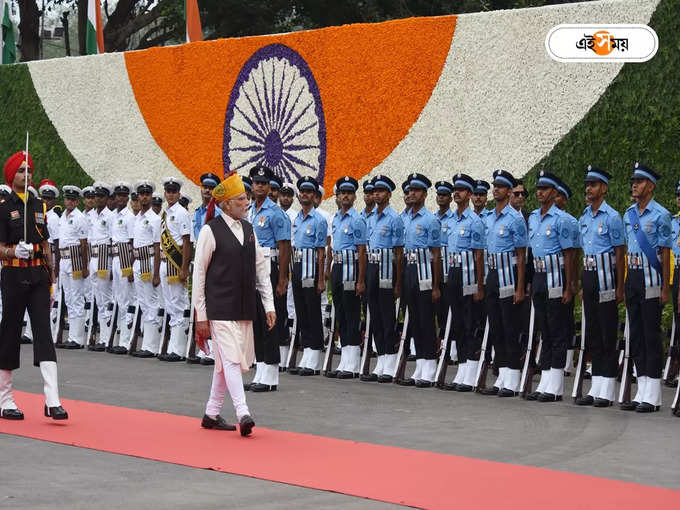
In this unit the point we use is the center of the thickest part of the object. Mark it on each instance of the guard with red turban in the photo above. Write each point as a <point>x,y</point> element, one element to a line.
<point>27,274</point>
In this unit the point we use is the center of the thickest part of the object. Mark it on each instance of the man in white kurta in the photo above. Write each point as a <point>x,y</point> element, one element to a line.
<point>233,341</point>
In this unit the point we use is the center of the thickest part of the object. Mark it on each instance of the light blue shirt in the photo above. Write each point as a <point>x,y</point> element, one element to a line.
<point>199,218</point>
<point>349,230</point>
<point>655,223</point>
<point>505,231</point>
<point>550,233</point>
<point>310,231</point>
<point>385,229</point>
<point>444,220</point>
<point>675,234</point>
<point>271,224</point>
<point>423,230</point>
<point>602,231</point>
<point>465,232</point>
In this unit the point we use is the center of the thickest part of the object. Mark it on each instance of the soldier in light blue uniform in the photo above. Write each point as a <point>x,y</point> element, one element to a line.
<point>648,236</point>
<point>208,183</point>
<point>480,197</point>
<point>273,231</point>
<point>551,238</point>
<point>671,380</point>
<point>369,201</point>
<point>348,276</point>
<point>310,231</point>
<point>465,240</point>
<point>505,284</point>
<point>444,198</point>
<point>384,277</point>
<point>603,243</point>
<point>421,280</point>
<point>407,201</point>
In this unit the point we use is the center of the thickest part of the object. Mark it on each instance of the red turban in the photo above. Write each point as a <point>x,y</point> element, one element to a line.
<point>13,164</point>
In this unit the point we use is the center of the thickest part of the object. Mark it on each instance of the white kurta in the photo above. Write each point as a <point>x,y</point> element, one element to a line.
<point>235,338</point>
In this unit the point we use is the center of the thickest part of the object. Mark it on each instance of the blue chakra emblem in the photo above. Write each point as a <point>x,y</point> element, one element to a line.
<point>275,117</point>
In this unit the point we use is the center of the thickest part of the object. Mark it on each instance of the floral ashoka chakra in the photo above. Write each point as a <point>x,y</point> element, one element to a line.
<point>275,117</point>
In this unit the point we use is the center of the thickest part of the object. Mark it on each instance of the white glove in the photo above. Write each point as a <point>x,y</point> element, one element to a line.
<point>23,250</point>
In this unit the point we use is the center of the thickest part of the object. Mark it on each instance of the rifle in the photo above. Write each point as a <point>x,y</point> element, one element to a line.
<point>328,358</point>
<point>577,391</point>
<point>291,362</point>
<point>114,327</point>
<point>627,373</point>
<point>675,408</point>
<point>529,368</point>
<point>191,343</point>
<point>136,321</point>
<point>483,365</point>
<point>165,333</point>
<point>89,336</point>
<point>442,365</point>
<point>365,355</point>
<point>57,318</point>
<point>401,354</point>
<point>670,370</point>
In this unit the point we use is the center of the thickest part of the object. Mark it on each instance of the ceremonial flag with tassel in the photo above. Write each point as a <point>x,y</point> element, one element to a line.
<point>193,21</point>
<point>94,38</point>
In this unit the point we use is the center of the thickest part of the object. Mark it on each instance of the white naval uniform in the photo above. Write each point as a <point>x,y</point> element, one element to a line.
<point>122,230</point>
<point>146,232</point>
<point>233,341</point>
<point>73,227</point>
<point>102,292</point>
<point>175,295</point>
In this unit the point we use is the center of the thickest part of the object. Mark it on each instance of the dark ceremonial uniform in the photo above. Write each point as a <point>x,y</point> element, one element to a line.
<point>442,308</point>
<point>25,283</point>
<point>647,235</point>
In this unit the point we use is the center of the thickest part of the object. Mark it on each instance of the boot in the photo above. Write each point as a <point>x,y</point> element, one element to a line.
<point>8,409</point>
<point>151,340</point>
<point>53,408</point>
<point>76,332</point>
<point>178,341</point>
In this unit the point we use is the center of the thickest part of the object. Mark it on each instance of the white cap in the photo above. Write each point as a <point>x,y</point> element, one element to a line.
<point>146,183</point>
<point>172,180</point>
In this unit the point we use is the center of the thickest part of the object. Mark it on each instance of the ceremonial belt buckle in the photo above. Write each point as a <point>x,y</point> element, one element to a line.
<point>374,257</point>
<point>412,257</point>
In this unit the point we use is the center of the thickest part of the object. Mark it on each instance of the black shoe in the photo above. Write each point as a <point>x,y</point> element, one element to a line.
<point>91,348</point>
<point>534,395</point>
<point>119,349</point>
<point>464,388</point>
<point>452,386</point>
<point>71,345</point>
<point>588,400</point>
<point>259,387</point>
<point>195,360</point>
<point>62,345</point>
<point>671,384</point>
<point>294,370</point>
<point>144,354</point>
<point>602,402</point>
<point>99,347</point>
<point>173,358</point>
<point>57,413</point>
<point>246,425</point>
<point>333,374</point>
<point>162,357</point>
<point>216,424</point>
<point>308,372</point>
<point>11,414</point>
<point>646,407</point>
<point>490,391</point>
<point>504,392</point>
<point>247,386</point>
<point>25,340</point>
<point>406,382</point>
<point>282,369</point>
<point>368,377</point>
<point>344,374</point>
<point>629,406</point>
<point>385,378</point>
<point>549,397</point>
<point>207,361</point>
<point>420,383</point>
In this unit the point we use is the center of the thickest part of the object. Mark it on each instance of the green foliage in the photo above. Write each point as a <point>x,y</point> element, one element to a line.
<point>636,119</point>
<point>21,111</point>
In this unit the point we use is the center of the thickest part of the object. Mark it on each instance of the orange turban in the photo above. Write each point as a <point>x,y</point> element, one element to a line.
<point>14,163</point>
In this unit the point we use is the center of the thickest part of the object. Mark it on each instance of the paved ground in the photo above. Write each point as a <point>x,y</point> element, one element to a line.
<point>601,442</point>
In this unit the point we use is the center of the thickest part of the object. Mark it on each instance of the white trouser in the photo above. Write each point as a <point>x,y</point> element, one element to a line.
<point>147,296</point>
<point>229,378</point>
<point>123,295</point>
<point>175,298</point>
<point>74,291</point>
<point>289,301</point>
<point>102,292</point>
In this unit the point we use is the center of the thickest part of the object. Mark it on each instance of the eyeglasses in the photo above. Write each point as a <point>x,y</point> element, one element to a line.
<point>524,194</point>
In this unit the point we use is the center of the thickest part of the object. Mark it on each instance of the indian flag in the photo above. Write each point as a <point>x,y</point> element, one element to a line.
<point>94,39</point>
<point>8,50</point>
<point>193,21</point>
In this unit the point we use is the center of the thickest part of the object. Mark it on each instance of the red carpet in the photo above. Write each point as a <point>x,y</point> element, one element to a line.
<point>408,477</point>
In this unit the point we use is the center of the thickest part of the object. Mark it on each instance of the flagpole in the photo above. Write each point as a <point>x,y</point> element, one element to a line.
<point>26,190</point>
